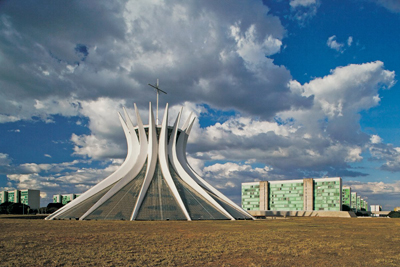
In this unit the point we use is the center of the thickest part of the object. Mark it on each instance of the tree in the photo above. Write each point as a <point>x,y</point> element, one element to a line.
<point>394,214</point>
<point>52,207</point>
<point>345,208</point>
<point>16,208</point>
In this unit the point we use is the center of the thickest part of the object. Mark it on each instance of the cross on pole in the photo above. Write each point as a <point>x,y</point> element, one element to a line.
<point>158,92</point>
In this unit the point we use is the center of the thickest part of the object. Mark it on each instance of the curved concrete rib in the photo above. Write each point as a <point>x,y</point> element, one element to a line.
<point>103,184</point>
<point>181,154</point>
<point>151,164</point>
<point>163,157</point>
<point>138,152</point>
<point>178,145</point>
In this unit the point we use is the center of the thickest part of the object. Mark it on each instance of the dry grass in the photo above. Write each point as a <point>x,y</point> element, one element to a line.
<point>290,242</point>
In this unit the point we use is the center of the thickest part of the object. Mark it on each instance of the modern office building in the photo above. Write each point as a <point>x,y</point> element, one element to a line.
<point>155,182</point>
<point>293,195</point>
<point>365,206</point>
<point>324,194</point>
<point>64,198</point>
<point>358,205</point>
<point>27,196</point>
<point>3,196</point>
<point>354,201</point>
<point>346,196</point>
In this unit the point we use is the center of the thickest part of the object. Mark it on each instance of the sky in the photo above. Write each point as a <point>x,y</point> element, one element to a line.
<point>282,89</point>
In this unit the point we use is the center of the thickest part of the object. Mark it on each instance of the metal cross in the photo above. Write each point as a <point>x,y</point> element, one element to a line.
<point>158,92</point>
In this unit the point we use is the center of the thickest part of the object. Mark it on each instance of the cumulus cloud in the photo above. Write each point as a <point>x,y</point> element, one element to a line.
<point>216,51</point>
<point>317,141</point>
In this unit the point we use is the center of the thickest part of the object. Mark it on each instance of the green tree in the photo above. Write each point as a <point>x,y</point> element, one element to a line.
<point>394,214</point>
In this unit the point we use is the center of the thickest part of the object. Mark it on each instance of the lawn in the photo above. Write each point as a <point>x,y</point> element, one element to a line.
<point>281,242</point>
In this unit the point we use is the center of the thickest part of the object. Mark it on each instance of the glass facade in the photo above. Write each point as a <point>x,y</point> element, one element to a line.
<point>64,199</point>
<point>358,202</point>
<point>251,196</point>
<point>325,194</point>
<point>346,196</point>
<point>197,206</point>
<point>121,204</point>
<point>3,196</point>
<point>24,197</point>
<point>29,197</point>
<point>159,202</point>
<point>286,196</point>
<point>354,201</point>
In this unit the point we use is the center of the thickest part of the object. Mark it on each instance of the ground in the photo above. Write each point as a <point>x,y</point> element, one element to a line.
<point>280,242</point>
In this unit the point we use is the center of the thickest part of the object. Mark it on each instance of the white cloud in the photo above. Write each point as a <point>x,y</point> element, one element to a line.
<point>229,175</point>
<point>252,51</point>
<point>303,10</point>
<point>381,193</point>
<point>296,3</point>
<point>376,187</point>
<point>94,147</point>
<point>332,43</point>
<point>376,139</point>
<point>350,41</point>
<point>387,153</point>
<point>4,159</point>
<point>335,45</point>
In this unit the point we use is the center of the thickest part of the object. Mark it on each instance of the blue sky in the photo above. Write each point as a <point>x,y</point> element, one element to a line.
<point>281,89</point>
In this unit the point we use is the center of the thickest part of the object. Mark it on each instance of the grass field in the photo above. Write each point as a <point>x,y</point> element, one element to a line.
<point>282,242</point>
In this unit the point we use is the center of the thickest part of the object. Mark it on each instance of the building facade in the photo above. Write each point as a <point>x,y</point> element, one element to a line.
<point>301,195</point>
<point>346,197</point>
<point>28,197</point>
<point>376,208</point>
<point>64,198</point>
<point>293,195</point>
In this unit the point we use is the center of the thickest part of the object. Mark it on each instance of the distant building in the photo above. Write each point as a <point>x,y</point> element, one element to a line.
<point>354,201</point>
<point>346,196</point>
<point>293,195</point>
<point>376,208</point>
<point>358,205</point>
<point>323,194</point>
<point>28,197</point>
<point>64,199</point>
